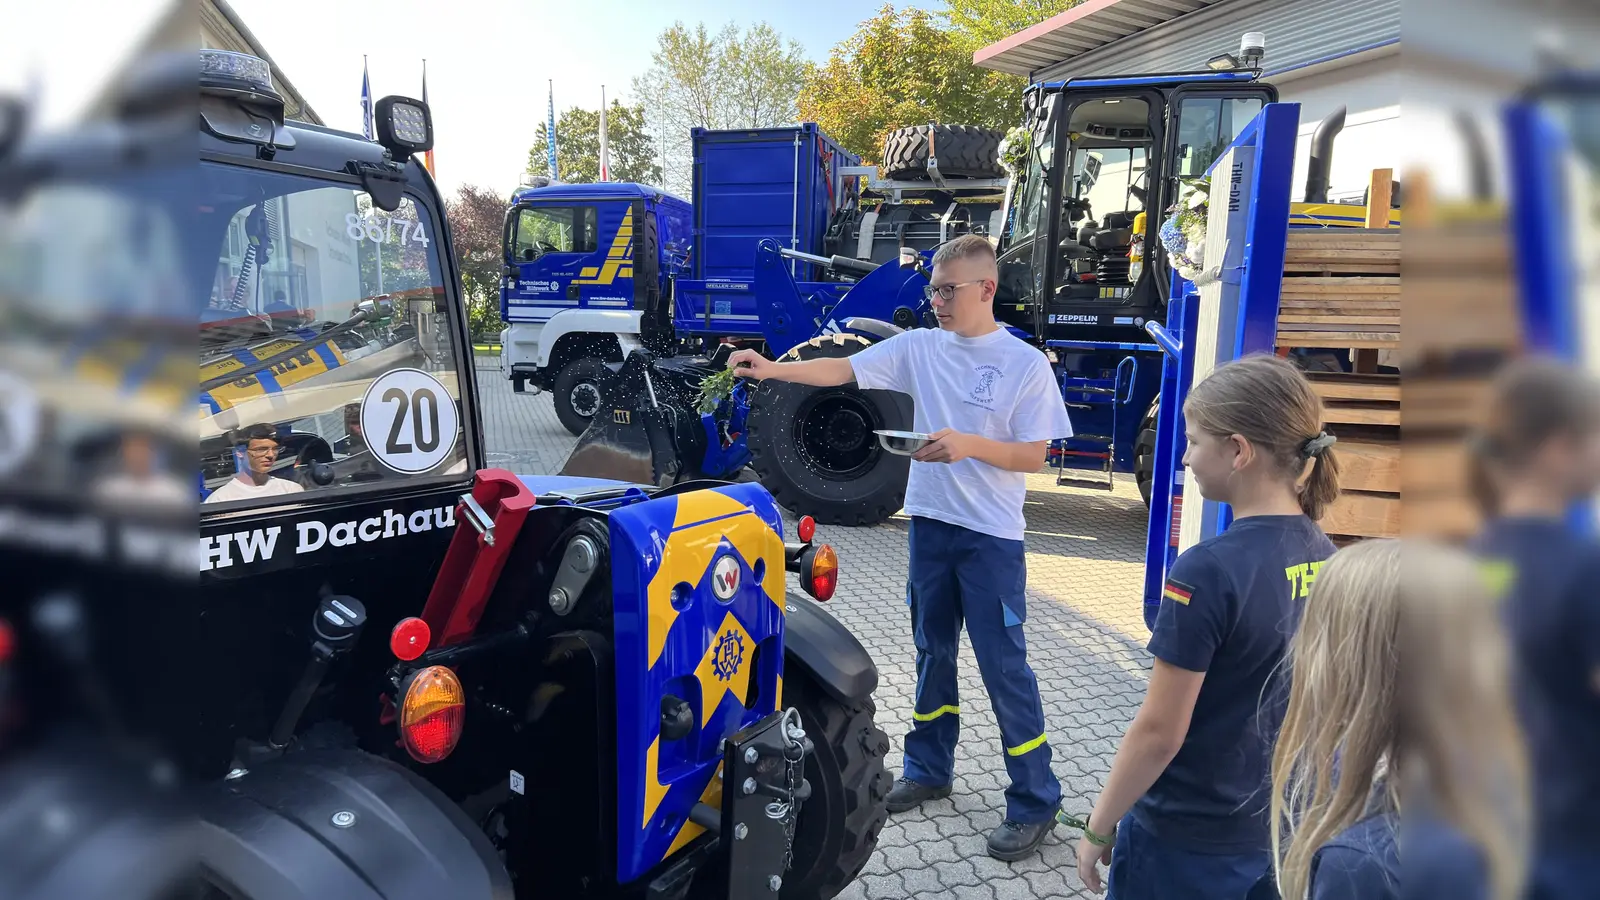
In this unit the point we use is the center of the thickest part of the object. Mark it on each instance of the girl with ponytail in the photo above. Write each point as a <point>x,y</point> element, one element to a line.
<point>1536,457</point>
<point>1184,812</point>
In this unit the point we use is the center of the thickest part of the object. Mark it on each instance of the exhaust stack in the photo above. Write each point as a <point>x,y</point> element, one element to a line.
<point>1322,156</point>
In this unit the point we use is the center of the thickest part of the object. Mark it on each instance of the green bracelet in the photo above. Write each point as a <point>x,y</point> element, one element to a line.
<point>1100,840</point>
<point>1083,826</point>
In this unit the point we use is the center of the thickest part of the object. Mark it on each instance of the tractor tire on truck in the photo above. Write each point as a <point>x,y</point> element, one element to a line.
<point>1144,451</point>
<point>579,392</point>
<point>848,782</point>
<point>814,448</point>
<point>963,151</point>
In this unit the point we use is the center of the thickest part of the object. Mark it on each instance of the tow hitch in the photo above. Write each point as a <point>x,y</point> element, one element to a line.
<point>763,787</point>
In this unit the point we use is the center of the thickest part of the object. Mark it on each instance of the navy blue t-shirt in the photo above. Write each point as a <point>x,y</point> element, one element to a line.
<point>1361,862</point>
<point>1551,607</point>
<point>1230,607</point>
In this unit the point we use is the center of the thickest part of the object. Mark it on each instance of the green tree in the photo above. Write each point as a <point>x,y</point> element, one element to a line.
<point>983,22</point>
<point>477,219</point>
<point>901,69</point>
<point>578,146</point>
<point>727,79</point>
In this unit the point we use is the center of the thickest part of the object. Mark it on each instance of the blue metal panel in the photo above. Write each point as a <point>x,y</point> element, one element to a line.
<point>1260,278</point>
<point>1273,131</point>
<point>1537,147</point>
<point>1177,372</point>
<point>674,636</point>
<point>777,183</point>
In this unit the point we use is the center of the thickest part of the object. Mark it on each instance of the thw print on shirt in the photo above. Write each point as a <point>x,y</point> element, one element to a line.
<point>983,393</point>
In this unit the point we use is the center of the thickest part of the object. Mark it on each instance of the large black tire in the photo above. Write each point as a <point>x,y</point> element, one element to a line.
<point>1144,451</point>
<point>814,448</point>
<point>964,151</point>
<point>839,825</point>
<point>579,392</point>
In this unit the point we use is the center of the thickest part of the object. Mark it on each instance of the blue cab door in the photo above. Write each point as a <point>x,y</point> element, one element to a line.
<point>569,255</point>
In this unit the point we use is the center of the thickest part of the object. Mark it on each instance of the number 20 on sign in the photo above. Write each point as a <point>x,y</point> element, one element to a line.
<point>409,421</point>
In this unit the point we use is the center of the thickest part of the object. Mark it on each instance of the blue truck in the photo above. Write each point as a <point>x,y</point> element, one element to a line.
<point>792,246</point>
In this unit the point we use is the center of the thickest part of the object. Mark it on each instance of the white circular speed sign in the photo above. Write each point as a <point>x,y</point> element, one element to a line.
<point>409,421</point>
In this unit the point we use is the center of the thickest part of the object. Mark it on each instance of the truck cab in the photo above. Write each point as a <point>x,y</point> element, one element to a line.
<point>588,277</point>
<point>1107,158</point>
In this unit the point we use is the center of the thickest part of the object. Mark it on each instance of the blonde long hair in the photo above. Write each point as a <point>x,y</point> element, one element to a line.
<point>1347,702</point>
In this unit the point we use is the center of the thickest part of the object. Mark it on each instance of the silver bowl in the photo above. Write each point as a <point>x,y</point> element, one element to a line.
<point>902,443</point>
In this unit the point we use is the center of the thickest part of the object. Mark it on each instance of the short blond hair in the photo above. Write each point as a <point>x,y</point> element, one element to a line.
<point>967,246</point>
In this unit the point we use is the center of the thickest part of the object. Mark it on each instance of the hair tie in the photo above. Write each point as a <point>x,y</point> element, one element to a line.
<point>1318,445</point>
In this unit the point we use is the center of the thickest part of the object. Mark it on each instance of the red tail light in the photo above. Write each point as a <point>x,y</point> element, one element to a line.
<point>821,577</point>
<point>8,641</point>
<point>432,714</point>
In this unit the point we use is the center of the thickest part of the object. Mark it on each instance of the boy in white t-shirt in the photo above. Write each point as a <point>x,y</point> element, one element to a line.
<point>990,401</point>
<point>261,452</point>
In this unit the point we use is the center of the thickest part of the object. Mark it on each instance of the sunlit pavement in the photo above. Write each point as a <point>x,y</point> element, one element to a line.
<point>1086,636</point>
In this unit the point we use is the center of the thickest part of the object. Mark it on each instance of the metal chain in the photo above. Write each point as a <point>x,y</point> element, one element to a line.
<point>793,759</point>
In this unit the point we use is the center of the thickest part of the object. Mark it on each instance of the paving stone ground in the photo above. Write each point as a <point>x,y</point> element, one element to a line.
<point>1086,637</point>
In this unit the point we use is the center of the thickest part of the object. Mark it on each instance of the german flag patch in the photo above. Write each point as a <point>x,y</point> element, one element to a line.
<point>1178,592</point>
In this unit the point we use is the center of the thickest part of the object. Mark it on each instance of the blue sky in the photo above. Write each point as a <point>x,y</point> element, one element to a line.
<point>490,61</point>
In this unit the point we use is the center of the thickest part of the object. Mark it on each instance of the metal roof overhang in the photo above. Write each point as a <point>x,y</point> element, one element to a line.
<point>1088,26</point>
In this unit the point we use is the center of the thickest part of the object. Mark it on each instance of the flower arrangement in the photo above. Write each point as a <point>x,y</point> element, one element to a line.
<point>1014,150</point>
<point>1183,234</point>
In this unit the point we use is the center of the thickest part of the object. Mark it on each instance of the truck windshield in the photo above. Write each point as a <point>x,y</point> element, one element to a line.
<point>344,303</point>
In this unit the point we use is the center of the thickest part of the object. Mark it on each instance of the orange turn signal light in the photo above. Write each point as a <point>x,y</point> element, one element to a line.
<point>819,573</point>
<point>432,714</point>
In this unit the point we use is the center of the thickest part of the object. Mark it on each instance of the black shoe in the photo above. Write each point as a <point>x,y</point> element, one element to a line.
<point>907,794</point>
<point>1014,840</point>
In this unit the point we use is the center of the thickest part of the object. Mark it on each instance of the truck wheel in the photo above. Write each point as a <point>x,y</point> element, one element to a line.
<point>964,151</point>
<point>838,827</point>
<point>1144,451</point>
<point>815,450</point>
<point>579,392</point>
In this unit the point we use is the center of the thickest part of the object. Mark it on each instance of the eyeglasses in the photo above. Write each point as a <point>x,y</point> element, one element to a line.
<point>947,291</point>
<point>263,451</point>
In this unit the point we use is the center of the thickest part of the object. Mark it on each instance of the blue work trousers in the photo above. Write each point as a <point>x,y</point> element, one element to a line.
<point>959,575</point>
<point>1146,868</point>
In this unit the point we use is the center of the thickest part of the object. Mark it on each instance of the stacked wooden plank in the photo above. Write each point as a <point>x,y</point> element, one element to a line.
<point>1341,289</point>
<point>1341,292</point>
<point>1363,410</point>
<point>1462,323</point>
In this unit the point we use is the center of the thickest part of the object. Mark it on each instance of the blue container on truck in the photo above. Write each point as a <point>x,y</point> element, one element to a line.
<point>782,184</point>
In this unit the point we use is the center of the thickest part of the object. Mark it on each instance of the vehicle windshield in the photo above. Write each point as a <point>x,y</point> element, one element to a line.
<point>326,356</point>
